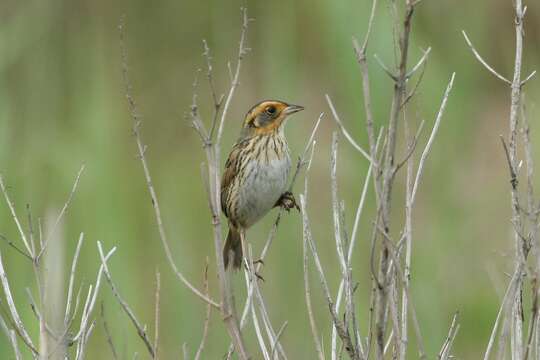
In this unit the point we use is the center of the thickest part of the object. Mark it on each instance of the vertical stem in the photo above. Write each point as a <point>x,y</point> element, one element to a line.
<point>400,84</point>
<point>408,248</point>
<point>521,247</point>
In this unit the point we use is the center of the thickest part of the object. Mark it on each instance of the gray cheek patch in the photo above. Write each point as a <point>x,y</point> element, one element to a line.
<point>262,120</point>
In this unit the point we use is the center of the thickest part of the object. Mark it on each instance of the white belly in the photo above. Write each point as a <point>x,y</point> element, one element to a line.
<point>262,188</point>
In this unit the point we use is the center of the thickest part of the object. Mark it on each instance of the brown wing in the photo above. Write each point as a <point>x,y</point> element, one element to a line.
<point>229,173</point>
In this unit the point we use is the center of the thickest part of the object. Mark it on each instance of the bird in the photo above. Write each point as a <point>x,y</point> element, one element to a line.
<point>256,172</point>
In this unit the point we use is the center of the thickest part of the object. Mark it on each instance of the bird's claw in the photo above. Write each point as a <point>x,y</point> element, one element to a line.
<point>287,201</point>
<point>259,276</point>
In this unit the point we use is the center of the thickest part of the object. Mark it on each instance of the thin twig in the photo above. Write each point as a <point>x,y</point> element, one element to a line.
<point>141,331</point>
<point>16,248</point>
<point>61,214</point>
<point>482,61</point>
<point>15,218</point>
<point>385,68</point>
<point>307,290</point>
<point>444,354</point>
<point>107,332</point>
<point>278,336</point>
<point>425,153</point>
<point>342,331</point>
<point>353,240</point>
<point>17,322</point>
<point>396,265</point>
<point>72,279</point>
<point>421,62</point>
<point>141,152</point>
<point>344,131</point>
<point>251,281</point>
<point>210,76</point>
<point>242,51</point>
<point>12,336</point>
<point>86,327</point>
<point>252,276</point>
<point>206,318</point>
<point>531,75</point>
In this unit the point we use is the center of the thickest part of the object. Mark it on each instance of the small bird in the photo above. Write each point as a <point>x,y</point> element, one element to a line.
<point>256,172</point>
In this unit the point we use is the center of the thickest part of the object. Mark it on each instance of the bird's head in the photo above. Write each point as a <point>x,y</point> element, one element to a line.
<point>267,116</point>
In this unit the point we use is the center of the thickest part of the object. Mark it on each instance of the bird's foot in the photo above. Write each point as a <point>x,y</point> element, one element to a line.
<point>255,272</point>
<point>258,261</point>
<point>287,201</point>
<point>259,276</point>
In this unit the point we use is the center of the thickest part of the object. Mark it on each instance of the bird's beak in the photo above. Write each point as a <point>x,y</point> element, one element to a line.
<point>291,109</point>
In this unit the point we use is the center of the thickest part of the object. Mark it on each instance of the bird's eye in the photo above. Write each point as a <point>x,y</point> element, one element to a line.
<point>271,110</point>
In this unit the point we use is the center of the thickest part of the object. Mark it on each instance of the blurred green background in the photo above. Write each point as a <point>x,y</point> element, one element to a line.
<point>62,104</point>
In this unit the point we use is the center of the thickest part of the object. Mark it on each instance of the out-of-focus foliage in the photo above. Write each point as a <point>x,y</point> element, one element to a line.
<point>62,104</point>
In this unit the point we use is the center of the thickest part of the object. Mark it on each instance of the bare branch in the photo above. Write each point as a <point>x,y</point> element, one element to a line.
<point>12,336</point>
<point>13,339</point>
<point>510,290</point>
<point>362,61</point>
<point>86,327</point>
<point>206,318</point>
<point>482,61</point>
<point>385,68</point>
<point>61,214</point>
<point>353,239</point>
<point>17,322</point>
<point>385,187</point>
<point>252,276</point>
<point>217,101</point>
<point>370,26</point>
<point>14,216</point>
<point>307,291</point>
<point>108,332</point>
<point>72,279</point>
<point>251,282</point>
<point>396,265</point>
<point>342,331</point>
<point>16,248</point>
<point>278,336</point>
<point>444,354</point>
<point>141,331</point>
<point>242,51</point>
<point>425,153</point>
<point>344,131</point>
<point>212,150</point>
<point>531,75</point>
<point>141,150</point>
<point>421,62</point>
<point>410,148</point>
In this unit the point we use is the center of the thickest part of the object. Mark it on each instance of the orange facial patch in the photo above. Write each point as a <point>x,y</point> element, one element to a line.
<point>262,108</point>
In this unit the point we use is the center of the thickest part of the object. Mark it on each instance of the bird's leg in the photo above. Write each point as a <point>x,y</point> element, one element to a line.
<point>287,201</point>
<point>249,267</point>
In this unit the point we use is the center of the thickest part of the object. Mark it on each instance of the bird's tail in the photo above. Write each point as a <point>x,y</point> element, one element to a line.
<point>233,249</point>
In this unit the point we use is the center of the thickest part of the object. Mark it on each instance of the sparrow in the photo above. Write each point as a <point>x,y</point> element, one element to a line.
<point>256,173</point>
